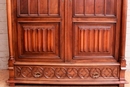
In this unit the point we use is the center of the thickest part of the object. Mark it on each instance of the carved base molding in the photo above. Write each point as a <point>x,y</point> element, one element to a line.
<point>67,72</point>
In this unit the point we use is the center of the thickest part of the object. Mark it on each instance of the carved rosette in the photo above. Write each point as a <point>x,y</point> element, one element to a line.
<point>37,72</point>
<point>95,73</point>
<point>52,72</point>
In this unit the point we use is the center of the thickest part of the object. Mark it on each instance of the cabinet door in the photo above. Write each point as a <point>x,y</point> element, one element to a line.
<point>94,27</point>
<point>40,30</point>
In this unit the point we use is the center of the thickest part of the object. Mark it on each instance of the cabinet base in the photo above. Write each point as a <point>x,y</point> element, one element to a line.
<point>65,83</point>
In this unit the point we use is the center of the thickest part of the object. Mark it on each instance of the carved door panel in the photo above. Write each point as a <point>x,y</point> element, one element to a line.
<point>40,30</point>
<point>94,26</point>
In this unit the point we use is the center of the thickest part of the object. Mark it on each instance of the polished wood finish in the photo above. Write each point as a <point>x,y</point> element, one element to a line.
<point>67,42</point>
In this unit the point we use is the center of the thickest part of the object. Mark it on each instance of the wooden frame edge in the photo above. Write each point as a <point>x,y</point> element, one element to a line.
<point>10,41</point>
<point>123,40</point>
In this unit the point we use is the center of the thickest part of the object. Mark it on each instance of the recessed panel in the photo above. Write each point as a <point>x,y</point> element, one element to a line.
<point>38,40</point>
<point>23,6</point>
<point>99,7</point>
<point>93,40</point>
<point>33,7</point>
<point>54,6</point>
<point>43,7</point>
<point>110,4</point>
<point>79,6</point>
<point>89,7</point>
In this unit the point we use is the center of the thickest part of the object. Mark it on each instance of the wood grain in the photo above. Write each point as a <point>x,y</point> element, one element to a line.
<point>67,42</point>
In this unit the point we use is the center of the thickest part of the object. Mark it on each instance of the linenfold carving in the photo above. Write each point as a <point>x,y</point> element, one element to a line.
<point>100,38</point>
<point>39,39</point>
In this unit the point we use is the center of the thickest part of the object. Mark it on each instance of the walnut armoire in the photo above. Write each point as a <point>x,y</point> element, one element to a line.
<point>67,42</point>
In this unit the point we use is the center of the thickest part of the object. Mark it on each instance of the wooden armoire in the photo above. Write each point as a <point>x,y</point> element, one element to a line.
<point>67,42</point>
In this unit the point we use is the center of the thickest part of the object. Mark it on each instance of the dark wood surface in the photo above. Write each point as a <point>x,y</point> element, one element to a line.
<point>77,42</point>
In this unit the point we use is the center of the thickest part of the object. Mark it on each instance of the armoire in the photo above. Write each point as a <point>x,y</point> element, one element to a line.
<point>67,42</point>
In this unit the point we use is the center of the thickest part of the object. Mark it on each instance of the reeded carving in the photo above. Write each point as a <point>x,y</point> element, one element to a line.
<point>94,38</point>
<point>52,72</point>
<point>39,39</point>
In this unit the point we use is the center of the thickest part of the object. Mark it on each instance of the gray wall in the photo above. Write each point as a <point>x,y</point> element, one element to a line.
<point>3,36</point>
<point>128,37</point>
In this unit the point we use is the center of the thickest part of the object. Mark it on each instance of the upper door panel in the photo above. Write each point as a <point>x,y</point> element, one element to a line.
<point>39,8</point>
<point>39,30</point>
<point>94,26</point>
<point>94,8</point>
